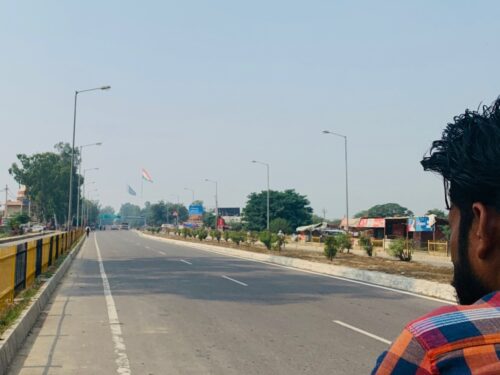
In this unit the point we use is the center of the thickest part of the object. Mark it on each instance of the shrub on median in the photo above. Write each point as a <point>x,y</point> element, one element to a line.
<point>266,238</point>
<point>216,235</point>
<point>366,244</point>
<point>343,242</point>
<point>331,247</point>
<point>399,249</point>
<point>237,237</point>
<point>202,234</point>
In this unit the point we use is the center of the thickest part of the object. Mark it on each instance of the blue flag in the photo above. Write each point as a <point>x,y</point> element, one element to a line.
<point>131,191</point>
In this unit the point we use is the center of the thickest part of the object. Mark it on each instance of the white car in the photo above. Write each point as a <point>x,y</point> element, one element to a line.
<point>37,228</point>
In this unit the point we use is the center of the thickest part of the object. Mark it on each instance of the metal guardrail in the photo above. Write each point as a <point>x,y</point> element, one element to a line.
<point>22,263</point>
<point>6,240</point>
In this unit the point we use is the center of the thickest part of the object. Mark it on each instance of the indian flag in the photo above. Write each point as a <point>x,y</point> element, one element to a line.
<point>146,176</point>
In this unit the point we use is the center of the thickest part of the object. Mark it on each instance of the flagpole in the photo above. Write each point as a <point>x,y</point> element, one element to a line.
<point>142,185</point>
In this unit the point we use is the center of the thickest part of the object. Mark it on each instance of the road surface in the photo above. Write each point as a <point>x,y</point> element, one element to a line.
<point>133,305</point>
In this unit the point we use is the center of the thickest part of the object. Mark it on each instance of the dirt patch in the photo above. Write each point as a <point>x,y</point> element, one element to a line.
<point>395,267</point>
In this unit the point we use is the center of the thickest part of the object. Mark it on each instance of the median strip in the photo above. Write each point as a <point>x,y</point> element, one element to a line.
<point>233,280</point>
<point>359,330</point>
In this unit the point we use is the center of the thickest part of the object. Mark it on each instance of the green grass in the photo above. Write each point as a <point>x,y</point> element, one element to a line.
<point>11,313</point>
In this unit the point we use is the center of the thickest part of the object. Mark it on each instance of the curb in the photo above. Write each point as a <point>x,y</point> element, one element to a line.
<point>432,289</point>
<point>13,338</point>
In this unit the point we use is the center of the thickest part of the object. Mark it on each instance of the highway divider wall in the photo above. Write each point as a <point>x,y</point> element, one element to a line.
<point>22,263</point>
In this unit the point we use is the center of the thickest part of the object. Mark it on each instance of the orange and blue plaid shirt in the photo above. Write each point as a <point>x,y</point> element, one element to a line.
<point>450,340</point>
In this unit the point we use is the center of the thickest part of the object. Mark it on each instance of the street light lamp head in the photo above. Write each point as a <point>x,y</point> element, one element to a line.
<point>326,132</point>
<point>254,161</point>
<point>105,87</point>
<point>98,144</point>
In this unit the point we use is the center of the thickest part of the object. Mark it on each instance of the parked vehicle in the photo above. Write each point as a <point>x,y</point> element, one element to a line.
<point>38,228</point>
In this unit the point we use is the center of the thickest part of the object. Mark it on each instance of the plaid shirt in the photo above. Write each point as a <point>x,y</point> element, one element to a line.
<point>449,340</point>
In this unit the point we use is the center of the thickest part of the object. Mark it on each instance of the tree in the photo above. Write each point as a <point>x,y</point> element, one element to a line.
<point>131,214</point>
<point>164,212</point>
<point>109,212</point>
<point>387,210</point>
<point>439,213</point>
<point>46,177</point>
<point>208,219</point>
<point>359,214</point>
<point>92,211</point>
<point>280,224</point>
<point>180,209</point>
<point>288,205</point>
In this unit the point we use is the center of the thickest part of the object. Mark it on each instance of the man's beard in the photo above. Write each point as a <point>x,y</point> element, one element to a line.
<point>468,286</point>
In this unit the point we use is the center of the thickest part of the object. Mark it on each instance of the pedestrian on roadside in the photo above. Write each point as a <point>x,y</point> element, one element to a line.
<point>87,230</point>
<point>463,339</point>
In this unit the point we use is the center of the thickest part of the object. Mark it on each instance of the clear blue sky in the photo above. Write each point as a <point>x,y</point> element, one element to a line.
<point>200,88</point>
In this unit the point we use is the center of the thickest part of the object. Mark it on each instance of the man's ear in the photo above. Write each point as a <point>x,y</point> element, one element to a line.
<point>486,224</point>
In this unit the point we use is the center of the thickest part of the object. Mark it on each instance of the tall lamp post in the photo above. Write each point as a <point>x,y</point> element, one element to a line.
<point>70,199</point>
<point>216,203</point>
<point>267,167</point>
<point>93,194</point>
<point>177,212</point>
<point>346,178</point>
<point>192,193</point>
<point>79,177</point>
<point>84,187</point>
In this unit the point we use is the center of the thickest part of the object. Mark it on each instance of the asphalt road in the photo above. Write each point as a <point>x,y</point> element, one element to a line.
<point>155,308</point>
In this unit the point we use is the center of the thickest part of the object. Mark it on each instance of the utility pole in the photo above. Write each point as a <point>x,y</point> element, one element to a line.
<point>6,198</point>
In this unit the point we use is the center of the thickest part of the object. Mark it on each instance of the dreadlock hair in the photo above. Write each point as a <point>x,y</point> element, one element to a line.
<point>468,157</point>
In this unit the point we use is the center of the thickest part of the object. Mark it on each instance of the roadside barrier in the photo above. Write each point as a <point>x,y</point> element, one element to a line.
<point>21,264</point>
<point>438,247</point>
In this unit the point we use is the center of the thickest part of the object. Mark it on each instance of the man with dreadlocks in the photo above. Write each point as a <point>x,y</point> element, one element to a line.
<point>463,339</point>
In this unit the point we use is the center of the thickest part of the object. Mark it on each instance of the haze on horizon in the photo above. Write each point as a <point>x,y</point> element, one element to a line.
<point>199,89</point>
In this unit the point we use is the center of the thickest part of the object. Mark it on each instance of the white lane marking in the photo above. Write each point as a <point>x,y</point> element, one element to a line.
<point>147,247</point>
<point>359,330</point>
<point>236,281</point>
<point>185,261</point>
<point>162,252</point>
<point>116,332</point>
<point>307,271</point>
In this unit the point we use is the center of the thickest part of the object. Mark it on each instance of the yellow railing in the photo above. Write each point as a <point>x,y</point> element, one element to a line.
<point>437,247</point>
<point>21,264</point>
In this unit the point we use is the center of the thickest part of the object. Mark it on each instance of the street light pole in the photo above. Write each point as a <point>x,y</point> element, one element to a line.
<point>84,187</point>
<point>216,203</point>
<point>70,199</point>
<point>177,211</point>
<point>346,175</point>
<point>268,191</point>
<point>79,177</point>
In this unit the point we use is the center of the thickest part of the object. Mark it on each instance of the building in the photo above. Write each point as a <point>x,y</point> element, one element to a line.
<point>18,206</point>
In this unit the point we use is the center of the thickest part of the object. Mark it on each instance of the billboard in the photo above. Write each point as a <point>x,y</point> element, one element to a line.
<point>229,211</point>
<point>420,224</point>
<point>195,210</point>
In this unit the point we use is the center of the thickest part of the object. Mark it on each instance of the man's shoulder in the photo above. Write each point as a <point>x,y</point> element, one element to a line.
<point>449,324</point>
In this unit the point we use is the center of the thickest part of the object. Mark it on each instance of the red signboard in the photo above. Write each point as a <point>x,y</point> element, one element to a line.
<point>372,223</point>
